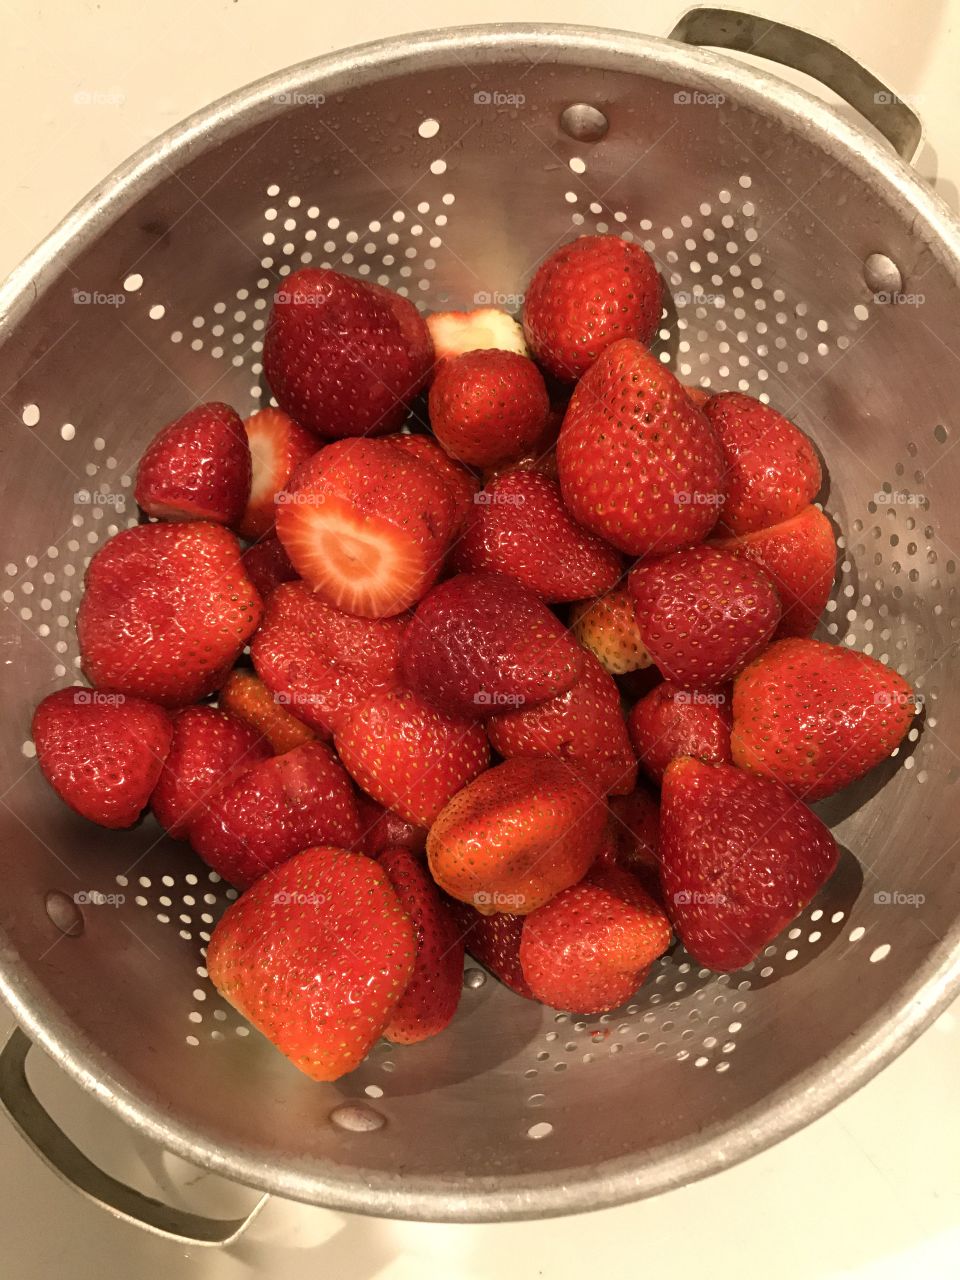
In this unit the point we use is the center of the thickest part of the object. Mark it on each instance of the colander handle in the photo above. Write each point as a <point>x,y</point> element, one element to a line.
<point>749,33</point>
<point>55,1148</point>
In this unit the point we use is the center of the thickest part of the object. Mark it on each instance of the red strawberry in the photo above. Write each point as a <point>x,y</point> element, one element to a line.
<point>516,836</point>
<point>639,465</point>
<point>494,941</point>
<point>209,748</point>
<point>462,483</point>
<point>635,832</point>
<point>817,717</point>
<point>772,469</point>
<point>408,755</point>
<point>521,527</point>
<point>799,557</point>
<point>166,611</point>
<point>481,642</point>
<point>703,614</point>
<point>585,296</point>
<point>433,993</point>
<point>274,810</point>
<point>382,829</point>
<point>101,752</point>
<point>670,721</point>
<point>741,859</point>
<point>608,628</point>
<point>267,565</point>
<point>367,526</point>
<point>589,948</point>
<point>343,357</point>
<point>583,727</point>
<point>247,698</point>
<point>316,955</point>
<point>697,396</point>
<point>321,663</point>
<point>456,332</point>
<point>277,447</point>
<point>197,468</point>
<point>487,407</point>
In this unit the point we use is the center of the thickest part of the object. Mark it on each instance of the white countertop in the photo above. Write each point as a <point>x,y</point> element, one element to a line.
<point>871,1190</point>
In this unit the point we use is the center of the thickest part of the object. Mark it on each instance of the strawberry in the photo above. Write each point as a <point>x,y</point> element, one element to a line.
<point>635,837</point>
<point>521,527</point>
<point>382,829</point>
<point>316,955</point>
<point>608,627</point>
<point>488,407</point>
<point>585,296</point>
<point>278,445</point>
<point>433,993</point>
<point>589,948</point>
<point>670,721</point>
<point>408,755</point>
<point>516,836</point>
<point>638,464</point>
<point>101,752</point>
<point>343,357</point>
<point>455,332</point>
<point>817,717</point>
<point>703,614</point>
<point>741,858</point>
<point>209,748</point>
<point>463,484</point>
<point>481,642</point>
<point>494,941</point>
<point>367,526</point>
<point>197,468</point>
<point>247,698</point>
<point>584,727</point>
<point>321,663</point>
<point>166,610</point>
<point>799,556</point>
<point>771,469</point>
<point>697,396</point>
<point>267,565</point>
<point>273,810</point>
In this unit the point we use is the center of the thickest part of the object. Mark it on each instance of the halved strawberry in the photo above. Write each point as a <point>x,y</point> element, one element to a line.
<point>197,468</point>
<point>463,483</point>
<point>670,721</point>
<point>454,332</point>
<point>382,829</point>
<point>267,565</point>
<point>608,627</point>
<point>245,696</point>
<point>488,407</point>
<point>278,445</point>
<point>494,941</point>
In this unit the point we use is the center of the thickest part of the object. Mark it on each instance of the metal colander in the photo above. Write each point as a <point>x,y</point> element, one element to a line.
<point>808,265</point>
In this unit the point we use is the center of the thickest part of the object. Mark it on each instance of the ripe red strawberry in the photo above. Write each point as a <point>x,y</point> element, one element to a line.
<point>817,717</point>
<point>456,332</point>
<point>367,526</point>
<point>521,527</point>
<point>741,859</point>
<point>799,557</point>
<point>771,469</point>
<point>494,941</point>
<point>583,727</point>
<point>608,627</point>
<point>635,831</point>
<point>321,663</point>
<point>382,829</point>
<point>197,468</point>
<point>247,698</point>
<point>274,810</point>
<point>316,955</point>
<point>639,465</point>
<point>343,357</point>
<point>278,446</point>
<point>703,614</point>
<point>433,993</point>
<point>488,407</point>
<point>101,752</point>
<point>463,484</point>
<point>585,296</point>
<point>670,721</point>
<point>516,836</point>
<point>589,948</point>
<point>267,565</point>
<point>209,748</point>
<point>166,611</point>
<point>408,755</point>
<point>481,642</point>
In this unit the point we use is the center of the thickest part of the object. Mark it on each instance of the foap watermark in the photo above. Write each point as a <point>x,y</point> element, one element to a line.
<point>96,298</point>
<point>288,898</point>
<point>698,498</point>
<point>97,698</point>
<point>498,498</point>
<point>94,898</point>
<point>885,299</point>
<point>502,901</point>
<point>484,698</point>
<point>494,298</point>
<point>697,298</point>
<point>498,98</point>
<point>898,898</point>
<point>887,98</point>
<point>889,698</point>
<point>294,699</point>
<point>699,698</point>
<point>696,898</point>
<point>100,498</point>
<point>299,98</point>
<point>99,98</point>
<point>899,498</point>
<point>300,498</point>
<point>697,98</point>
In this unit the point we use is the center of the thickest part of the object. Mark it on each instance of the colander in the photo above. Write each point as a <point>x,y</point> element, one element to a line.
<point>809,265</point>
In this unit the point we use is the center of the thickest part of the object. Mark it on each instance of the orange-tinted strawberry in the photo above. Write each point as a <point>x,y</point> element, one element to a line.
<point>698,396</point>
<point>741,858</point>
<point>638,464</point>
<point>703,614</point>
<point>608,627</point>
<point>197,468</point>
<point>456,332</point>
<point>382,829</point>
<point>516,836</point>
<point>585,296</point>
<point>245,696</point>
<point>316,955</point>
<point>494,941</point>
<point>463,484</point>
<point>771,470</point>
<point>278,446</point>
<point>670,721</point>
<point>267,565</point>
<point>408,755</point>
<point>817,717</point>
<point>488,407</point>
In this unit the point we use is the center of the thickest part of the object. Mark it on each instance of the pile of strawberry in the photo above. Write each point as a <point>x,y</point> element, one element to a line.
<point>463,645</point>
